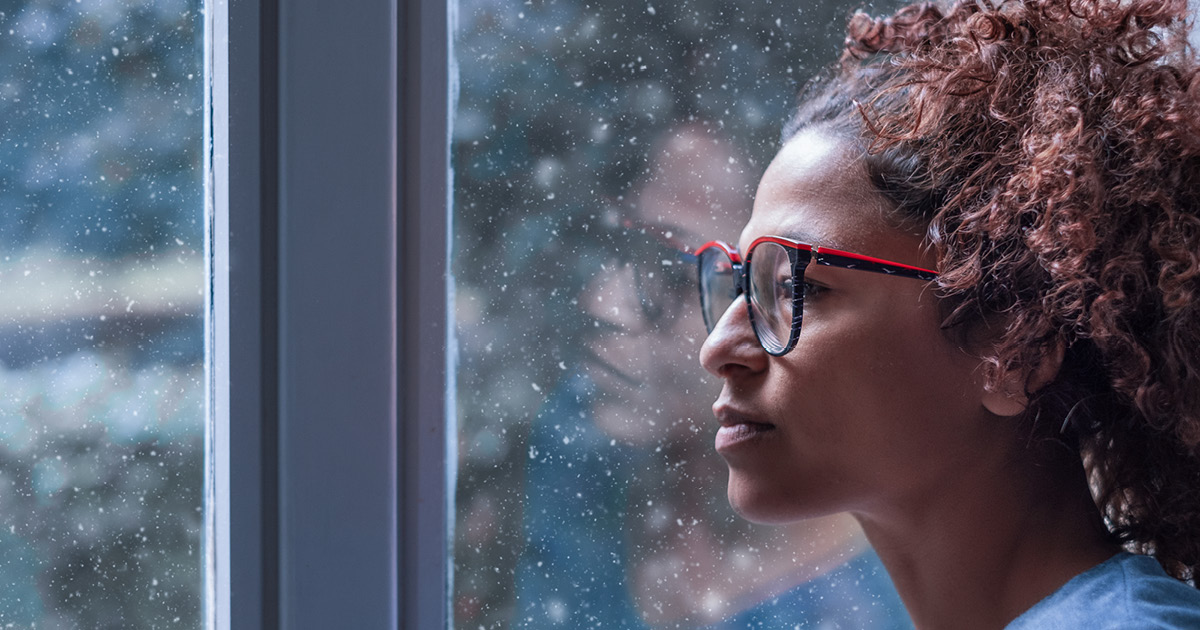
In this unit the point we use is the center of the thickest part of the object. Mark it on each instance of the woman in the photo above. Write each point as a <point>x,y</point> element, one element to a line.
<point>1011,403</point>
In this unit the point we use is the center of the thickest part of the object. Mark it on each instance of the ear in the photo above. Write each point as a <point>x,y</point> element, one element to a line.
<point>1010,394</point>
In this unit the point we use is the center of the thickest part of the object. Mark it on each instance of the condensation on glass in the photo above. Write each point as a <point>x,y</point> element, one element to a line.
<point>101,317</point>
<point>591,142</point>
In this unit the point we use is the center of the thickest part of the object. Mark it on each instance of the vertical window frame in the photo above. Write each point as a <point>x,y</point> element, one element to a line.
<point>330,240</point>
<point>428,83</point>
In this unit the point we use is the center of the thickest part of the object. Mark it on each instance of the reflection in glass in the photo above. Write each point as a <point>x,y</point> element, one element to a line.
<point>592,141</point>
<point>101,322</point>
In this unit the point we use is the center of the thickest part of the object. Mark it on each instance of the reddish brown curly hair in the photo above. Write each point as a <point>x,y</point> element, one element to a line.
<point>1052,147</point>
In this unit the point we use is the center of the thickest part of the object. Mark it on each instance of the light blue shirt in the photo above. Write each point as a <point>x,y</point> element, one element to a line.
<point>1125,592</point>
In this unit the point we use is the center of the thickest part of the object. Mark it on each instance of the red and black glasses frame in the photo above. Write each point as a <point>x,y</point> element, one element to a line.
<point>717,259</point>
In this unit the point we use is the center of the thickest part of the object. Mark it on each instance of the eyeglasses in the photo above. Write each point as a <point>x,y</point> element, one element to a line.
<point>773,268</point>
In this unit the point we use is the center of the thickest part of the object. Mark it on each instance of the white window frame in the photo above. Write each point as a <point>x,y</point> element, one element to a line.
<point>331,405</point>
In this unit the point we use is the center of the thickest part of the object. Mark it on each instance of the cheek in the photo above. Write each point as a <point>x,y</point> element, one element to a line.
<point>897,342</point>
<point>887,396</point>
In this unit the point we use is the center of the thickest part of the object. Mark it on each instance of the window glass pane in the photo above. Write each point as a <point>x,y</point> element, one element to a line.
<point>591,139</point>
<point>101,323</point>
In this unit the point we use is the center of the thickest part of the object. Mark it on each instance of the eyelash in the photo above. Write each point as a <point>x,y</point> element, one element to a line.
<point>813,290</point>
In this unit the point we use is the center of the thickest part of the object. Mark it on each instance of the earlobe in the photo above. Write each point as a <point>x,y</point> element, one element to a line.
<point>1010,396</point>
<point>1004,400</point>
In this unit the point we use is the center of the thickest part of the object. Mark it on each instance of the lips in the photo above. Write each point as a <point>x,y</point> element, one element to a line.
<point>739,430</point>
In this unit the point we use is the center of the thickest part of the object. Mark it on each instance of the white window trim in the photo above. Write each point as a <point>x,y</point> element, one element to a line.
<point>332,399</point>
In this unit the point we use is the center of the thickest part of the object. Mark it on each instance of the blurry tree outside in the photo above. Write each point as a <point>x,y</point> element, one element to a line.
<point>101,322</point>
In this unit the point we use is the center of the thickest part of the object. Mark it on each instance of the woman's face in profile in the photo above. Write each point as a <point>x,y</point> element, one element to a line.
<point>875,406</point>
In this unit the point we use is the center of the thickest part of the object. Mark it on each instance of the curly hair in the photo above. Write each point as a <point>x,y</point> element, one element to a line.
<point>1052,149</point>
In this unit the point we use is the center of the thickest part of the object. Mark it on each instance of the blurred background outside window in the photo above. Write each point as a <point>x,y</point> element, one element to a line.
<point>101,318</point>
<point>592,141</point>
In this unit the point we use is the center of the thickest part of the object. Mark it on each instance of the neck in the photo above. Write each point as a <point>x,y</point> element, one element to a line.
<point>965,558</point>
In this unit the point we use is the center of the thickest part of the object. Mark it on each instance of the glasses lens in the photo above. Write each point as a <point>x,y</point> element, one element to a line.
<point>718,287</point>
<point>771,295</point>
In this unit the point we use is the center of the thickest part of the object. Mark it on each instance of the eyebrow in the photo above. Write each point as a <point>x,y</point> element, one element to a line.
<point>798,234</point>
<point>801,236</point>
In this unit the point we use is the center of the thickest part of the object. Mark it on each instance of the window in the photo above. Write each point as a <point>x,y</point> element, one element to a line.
<point>583,136</point>
<point>326,315</point>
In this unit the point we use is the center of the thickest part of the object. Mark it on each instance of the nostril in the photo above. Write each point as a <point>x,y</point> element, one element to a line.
<point>732,346</point>
<point>730,343</point>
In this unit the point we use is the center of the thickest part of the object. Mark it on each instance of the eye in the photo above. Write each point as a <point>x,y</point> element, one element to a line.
<point>812,291</point>
<point>783,288</point>
<point>782,281</point>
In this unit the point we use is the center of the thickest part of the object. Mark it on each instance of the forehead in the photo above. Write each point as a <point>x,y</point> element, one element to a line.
<point>816,190</point>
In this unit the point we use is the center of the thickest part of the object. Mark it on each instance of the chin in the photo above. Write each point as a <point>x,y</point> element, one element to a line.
<point>770,505</point>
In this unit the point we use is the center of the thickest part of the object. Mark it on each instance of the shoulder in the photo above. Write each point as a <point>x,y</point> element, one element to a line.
<point>1126,592</point>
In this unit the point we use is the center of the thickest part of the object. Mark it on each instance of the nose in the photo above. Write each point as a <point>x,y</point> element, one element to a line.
<point>731,347</point>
